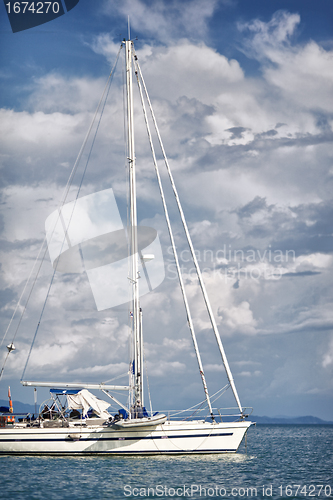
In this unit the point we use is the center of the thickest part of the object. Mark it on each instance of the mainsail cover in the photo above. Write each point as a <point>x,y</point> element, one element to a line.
<point>84,400</point>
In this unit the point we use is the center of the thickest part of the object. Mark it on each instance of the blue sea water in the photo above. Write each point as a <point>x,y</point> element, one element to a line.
<point>280,462</point>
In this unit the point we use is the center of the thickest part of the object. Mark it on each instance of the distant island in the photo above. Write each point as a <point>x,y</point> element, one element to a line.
<point>307,420</point>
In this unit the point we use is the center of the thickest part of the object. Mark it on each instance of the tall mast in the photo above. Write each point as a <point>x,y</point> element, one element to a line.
<point>134,265</point>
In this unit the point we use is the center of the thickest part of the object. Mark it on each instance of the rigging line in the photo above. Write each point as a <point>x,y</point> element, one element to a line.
<point>178,412</point>
<point>187,308</point>
<point>195,260</point>
<point>195,411</point>
<point>93,141</point>
<point>28,298</point>
<point>221,391</point>
<point>24,289</point>
<point>103,98</point>
<point>64,197</point>
<point>21,296</point>
<point>148,388</point>
<point>114,378</point>
<point>91,125</point>
<point>199,406</point>
<point>4,364</point>
<point>38,325</point>
<point>213,399</point>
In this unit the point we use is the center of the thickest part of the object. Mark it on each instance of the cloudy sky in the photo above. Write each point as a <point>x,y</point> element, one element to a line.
<point>243,96</point>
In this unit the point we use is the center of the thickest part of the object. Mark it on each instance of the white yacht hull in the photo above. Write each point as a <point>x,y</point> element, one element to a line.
<point>176,437</point>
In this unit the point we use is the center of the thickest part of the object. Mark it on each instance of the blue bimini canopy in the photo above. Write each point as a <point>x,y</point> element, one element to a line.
<point>60,392</point>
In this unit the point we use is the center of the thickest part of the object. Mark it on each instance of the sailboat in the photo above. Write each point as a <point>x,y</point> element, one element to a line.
<point>77,422</point>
